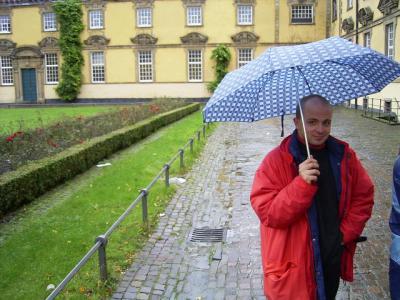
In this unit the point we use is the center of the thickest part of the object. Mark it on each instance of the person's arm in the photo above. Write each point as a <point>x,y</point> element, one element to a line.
<point>277,199</point>
<point>361,202</point>
<point>394,221</point>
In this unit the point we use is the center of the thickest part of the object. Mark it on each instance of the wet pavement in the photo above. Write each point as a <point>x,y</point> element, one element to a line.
<point>216,195</point>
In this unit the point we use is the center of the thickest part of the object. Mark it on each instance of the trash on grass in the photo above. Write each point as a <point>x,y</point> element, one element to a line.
<point>177,180</point>
<point>103,165</point>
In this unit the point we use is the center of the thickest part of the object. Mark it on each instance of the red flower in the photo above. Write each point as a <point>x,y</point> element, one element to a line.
<point>154,108</point>
<point>50,142</point>
<point>14,135</point>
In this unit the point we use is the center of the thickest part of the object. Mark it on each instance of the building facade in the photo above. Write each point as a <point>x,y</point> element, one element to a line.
<point>162,48</point>
<point>371,23</point>
<point>146,48</point>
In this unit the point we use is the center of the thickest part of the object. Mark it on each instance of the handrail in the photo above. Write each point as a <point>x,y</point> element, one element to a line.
<point>101,240</point>
<point>385,110</point>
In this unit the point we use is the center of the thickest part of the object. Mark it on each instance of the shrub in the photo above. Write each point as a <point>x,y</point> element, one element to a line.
<point>32,180</point>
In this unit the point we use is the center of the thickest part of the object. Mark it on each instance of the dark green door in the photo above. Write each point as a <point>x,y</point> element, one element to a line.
<point>29,85</point>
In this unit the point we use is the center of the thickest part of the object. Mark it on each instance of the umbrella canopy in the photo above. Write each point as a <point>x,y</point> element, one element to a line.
<point>272,84</point>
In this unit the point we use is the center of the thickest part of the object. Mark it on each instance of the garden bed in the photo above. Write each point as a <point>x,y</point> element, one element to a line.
<point>35,178</point>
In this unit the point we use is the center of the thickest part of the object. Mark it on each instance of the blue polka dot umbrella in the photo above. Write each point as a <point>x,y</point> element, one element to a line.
<point>271,85</point>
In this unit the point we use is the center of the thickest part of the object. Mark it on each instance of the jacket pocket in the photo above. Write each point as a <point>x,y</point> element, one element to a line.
<point>278,282</point>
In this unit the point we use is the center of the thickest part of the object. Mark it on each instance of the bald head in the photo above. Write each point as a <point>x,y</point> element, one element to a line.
<point>316,99</point>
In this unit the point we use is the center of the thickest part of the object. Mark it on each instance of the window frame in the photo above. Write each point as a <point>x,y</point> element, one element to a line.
<point>9,29</point>
<point>389,48</point>
<point>144,65</point>
<point>52,29</point>
<point>239,15</point>
<point>192,64</point>
<point>93,20</point>
<point>241,62</point>
<point>349,4</point>
<point>303,9</point>
<point>49,68</point>
<point>334,10</point>
<point>140,17</point>
<point>92,67</point>
<point>365,43</point>
<point>3,71</point>
<point>200,17</point>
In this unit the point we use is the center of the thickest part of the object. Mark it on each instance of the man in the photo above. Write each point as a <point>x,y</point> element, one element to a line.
<point>394,223</point>
<point>312,210</point>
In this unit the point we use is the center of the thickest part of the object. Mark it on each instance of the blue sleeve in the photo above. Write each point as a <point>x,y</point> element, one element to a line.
<point>394,223</point>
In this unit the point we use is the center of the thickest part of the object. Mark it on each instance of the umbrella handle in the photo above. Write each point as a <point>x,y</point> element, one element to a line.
<point>304,130</point>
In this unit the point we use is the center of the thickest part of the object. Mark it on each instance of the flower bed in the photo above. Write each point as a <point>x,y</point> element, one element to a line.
<point>23,146</point>
<point>35,178</point>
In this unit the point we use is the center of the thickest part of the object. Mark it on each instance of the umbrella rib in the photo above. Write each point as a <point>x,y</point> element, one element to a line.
<point>305,79</point>
<point>351,67</point>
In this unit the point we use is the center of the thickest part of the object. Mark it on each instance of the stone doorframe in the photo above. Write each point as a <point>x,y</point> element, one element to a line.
<point>28,57</point>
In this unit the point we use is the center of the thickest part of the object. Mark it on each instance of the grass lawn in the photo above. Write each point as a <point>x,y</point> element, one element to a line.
<point>14,119</point>
<point>44,245</point>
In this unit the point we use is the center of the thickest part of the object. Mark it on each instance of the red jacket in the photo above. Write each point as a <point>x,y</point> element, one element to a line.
<point>281,199</point>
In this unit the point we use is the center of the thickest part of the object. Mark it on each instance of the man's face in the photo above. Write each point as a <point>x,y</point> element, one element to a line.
<point>318,119</point>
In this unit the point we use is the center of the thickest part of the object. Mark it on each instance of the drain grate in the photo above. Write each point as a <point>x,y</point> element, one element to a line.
<point>213,235</point>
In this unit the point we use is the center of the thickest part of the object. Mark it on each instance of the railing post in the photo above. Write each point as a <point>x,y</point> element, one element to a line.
<point>191,145</point>
<point>181,153</point>
<point>198,135</point>
<point>144,205</point>
<point>166,175</point>
<point>102,257</point>
<point>204,131</point>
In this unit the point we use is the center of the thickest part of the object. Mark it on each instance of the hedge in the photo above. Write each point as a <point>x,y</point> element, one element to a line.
<point>24,185</point>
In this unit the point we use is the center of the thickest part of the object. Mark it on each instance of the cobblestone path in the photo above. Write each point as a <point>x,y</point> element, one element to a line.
<point>216,195</point>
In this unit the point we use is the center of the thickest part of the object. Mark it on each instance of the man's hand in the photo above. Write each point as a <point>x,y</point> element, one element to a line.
<point>309,170</point>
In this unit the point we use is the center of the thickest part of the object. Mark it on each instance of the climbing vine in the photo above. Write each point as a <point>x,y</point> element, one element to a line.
<point>222,57</point>
<point>69,16</point>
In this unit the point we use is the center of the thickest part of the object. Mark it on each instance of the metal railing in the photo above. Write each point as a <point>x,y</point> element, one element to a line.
<point>384,110</point>
<point>102,240</point>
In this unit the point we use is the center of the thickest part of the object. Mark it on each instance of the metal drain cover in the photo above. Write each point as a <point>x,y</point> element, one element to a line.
<point>207,235</point>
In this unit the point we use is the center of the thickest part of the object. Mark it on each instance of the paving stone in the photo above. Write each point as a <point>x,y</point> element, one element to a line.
<point>216,194</point>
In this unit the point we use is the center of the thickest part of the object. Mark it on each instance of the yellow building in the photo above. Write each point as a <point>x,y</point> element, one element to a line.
<point>371,23</point>
<point>147,48</point>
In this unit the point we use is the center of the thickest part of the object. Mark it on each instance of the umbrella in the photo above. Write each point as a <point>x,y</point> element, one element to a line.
<point>272,84</point>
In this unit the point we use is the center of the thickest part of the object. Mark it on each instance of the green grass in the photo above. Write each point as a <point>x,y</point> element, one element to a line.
<point>44,246</point>
<point>14,119</point>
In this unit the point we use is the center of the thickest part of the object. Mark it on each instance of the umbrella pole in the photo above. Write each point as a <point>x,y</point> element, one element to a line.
<point>304,130</point>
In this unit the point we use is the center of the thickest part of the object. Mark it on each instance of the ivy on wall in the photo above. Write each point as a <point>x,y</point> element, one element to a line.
<point>69,16</point>
<point>222,57</point>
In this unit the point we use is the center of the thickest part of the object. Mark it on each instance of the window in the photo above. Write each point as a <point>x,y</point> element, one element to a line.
<point>5,24</point>
<point>245,55</point>
<point>49,21</point>
<point>334,10</point>
<point>365,103</point>
<point>367,39</point>
<point>51,68</point>
<point>194,16</point>
<point>6,70</point>
<point>96,19</point>
<point>389,41</point>
<point>387,108</point>
<point>144,17</point>
<point>245,14</point>
<point>302,14</point>
<point>195,65</point>
<point>349,4</point>
<point>145,66</point>
<point>97,62</point>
